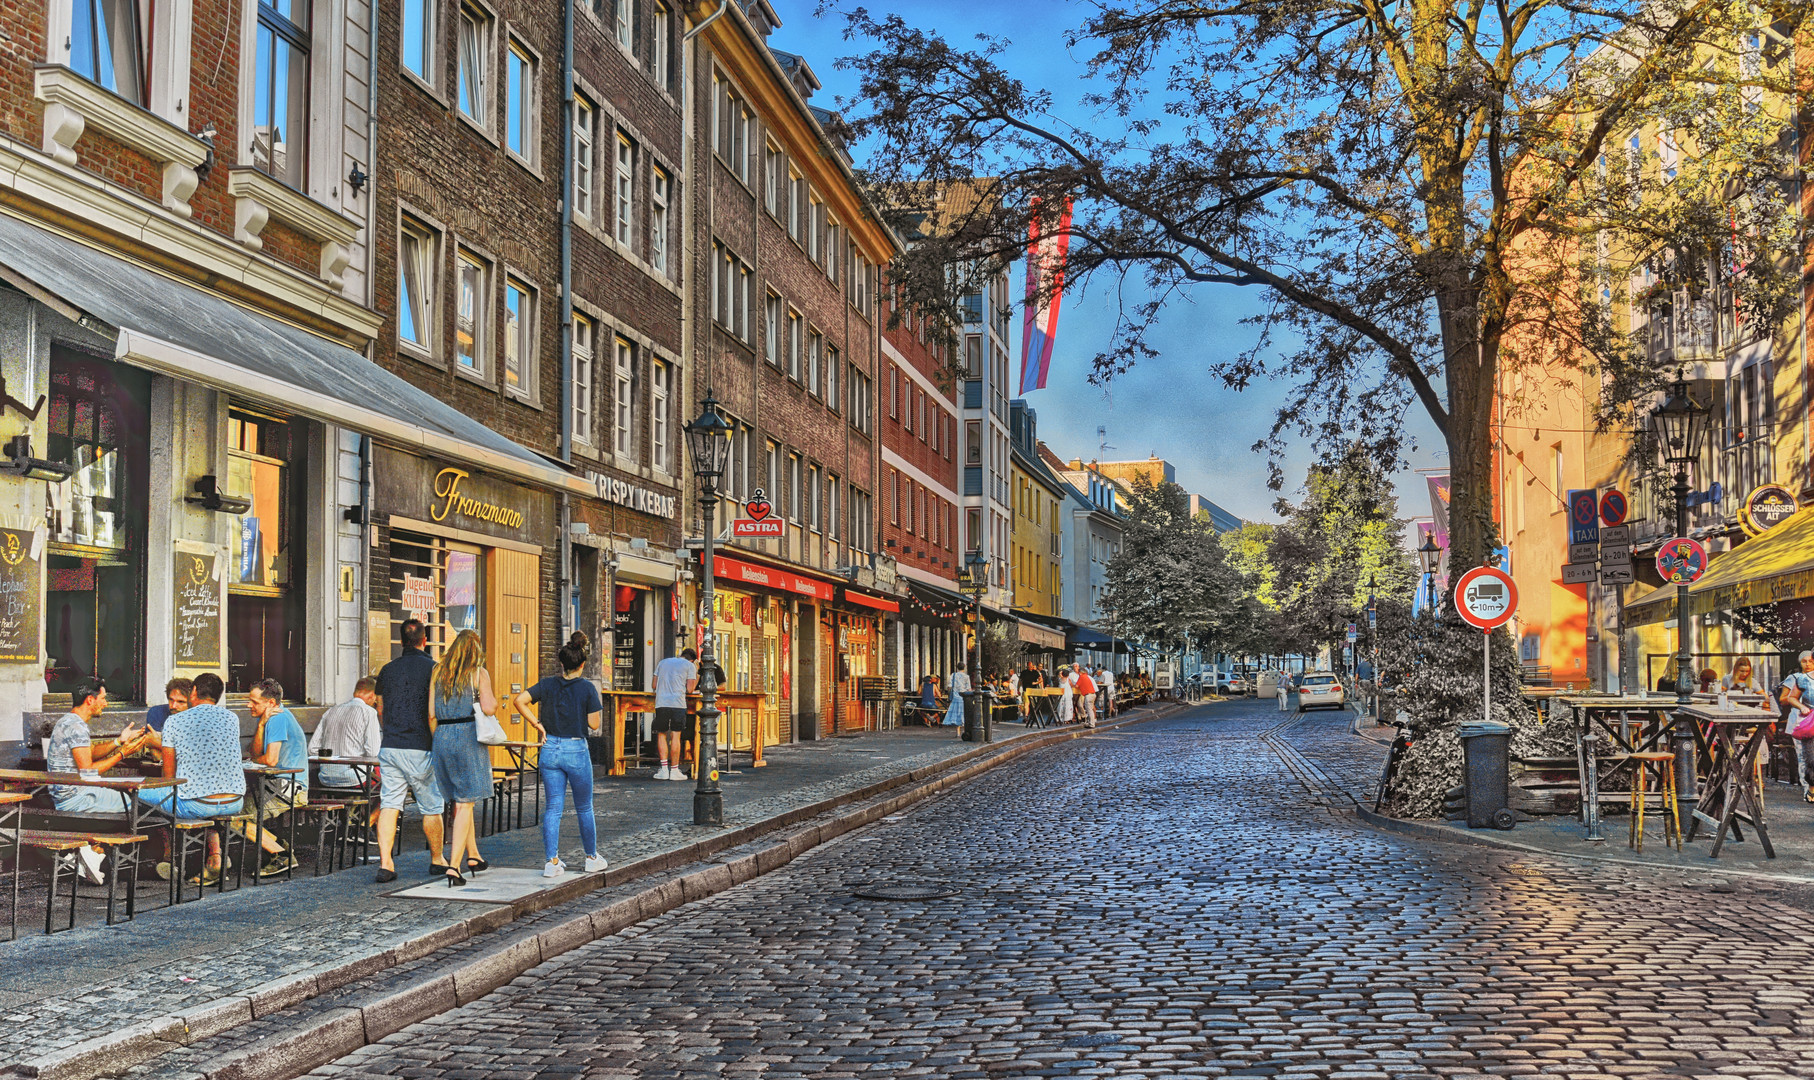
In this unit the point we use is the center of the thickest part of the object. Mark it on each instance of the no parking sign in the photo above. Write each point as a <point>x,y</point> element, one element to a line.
<point>1583,516</point>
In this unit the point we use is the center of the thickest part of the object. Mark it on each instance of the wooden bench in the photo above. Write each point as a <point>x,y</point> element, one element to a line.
<point>63,848</point>
<point>188,834</point>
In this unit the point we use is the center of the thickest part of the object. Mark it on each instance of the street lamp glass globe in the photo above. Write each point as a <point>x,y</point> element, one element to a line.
<point>709,442</point>
<point>1679,425</point>
<point>1427,553</point>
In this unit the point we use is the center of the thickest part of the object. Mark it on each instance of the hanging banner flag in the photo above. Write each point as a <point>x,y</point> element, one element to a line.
<point>1045,288</point>
<point>1439,513</point>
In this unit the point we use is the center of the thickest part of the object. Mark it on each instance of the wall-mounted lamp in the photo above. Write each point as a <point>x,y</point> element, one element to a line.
<point>356,179</point>
<point>354,515</point>
<point>20,462</point>
<point>209,497</point>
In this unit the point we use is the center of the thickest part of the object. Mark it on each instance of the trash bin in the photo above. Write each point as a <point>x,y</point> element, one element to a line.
<point>1487,747</point>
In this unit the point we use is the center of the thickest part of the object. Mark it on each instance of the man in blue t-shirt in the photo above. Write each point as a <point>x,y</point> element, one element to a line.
<point>278,742</point>
<point>201,747</point>
<point>1797,693</point>
<point>176,699</point>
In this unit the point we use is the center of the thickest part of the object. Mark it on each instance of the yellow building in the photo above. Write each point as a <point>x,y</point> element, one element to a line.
<point>1036,555</point>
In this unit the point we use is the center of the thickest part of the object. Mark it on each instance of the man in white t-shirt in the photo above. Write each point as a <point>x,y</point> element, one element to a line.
<point>1105,680</point>
<point>675,678</point>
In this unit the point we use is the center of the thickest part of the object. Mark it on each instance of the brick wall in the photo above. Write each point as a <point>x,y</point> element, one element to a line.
<point>920,425</point>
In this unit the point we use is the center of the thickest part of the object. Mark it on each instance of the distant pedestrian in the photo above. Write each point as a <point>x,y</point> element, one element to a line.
<point>1106,679</point>
<point>675,678</point>
<point>1797,696</point>
<point>960,685</point>
<point>1086,693</point>
<point>461,686</point>
<point>405,766</point>
<point>1284,694</point>
<point>567,709</point>
<point>1067,684</point>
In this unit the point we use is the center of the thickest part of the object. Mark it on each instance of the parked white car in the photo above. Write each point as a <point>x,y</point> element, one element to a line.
<point>1234,684</point>
<point>1321,688</point>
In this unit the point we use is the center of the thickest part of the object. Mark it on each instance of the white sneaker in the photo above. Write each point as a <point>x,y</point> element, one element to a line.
<point>681,775</point>
<point>595,863</point>
<point>662,773</point>
<point>88,861</point>
<point>554,868</point>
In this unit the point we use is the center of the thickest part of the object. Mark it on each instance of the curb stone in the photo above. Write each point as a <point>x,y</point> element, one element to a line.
<point>340,1031</point>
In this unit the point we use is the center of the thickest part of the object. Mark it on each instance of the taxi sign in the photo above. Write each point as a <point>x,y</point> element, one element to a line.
<point>1681,561</point>
<point>1486,597</point>
<point>1613,507</point>
<point>1583,516</point>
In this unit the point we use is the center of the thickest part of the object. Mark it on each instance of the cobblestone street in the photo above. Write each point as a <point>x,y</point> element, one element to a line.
<point>1165,900</point>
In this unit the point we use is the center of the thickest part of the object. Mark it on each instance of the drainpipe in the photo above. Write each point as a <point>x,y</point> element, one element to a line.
<point>365,545</point>
<point>566,348</point>
<point>371,155</point>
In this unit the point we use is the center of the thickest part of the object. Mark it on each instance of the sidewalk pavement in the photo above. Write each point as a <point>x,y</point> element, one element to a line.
<point>1349,756</point>
<point>266,947</point>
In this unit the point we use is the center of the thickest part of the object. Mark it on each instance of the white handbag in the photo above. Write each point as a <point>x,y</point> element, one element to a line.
<point>487,728</point>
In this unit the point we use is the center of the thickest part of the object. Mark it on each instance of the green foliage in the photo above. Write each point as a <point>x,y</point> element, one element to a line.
<point>1003,651</point>
<point>1170,583</point>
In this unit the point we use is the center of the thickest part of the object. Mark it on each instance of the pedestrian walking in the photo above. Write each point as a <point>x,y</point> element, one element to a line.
<point>1086,693</point>
<point>462,765</point>
<point>675,678</point>
<point>1284,694</point>
<point>405,765</point>
<point>1797,696</point>
<point>960,685</point>
<point>1067,684</point>
<point>1106,679</point>
<point>567,707</point>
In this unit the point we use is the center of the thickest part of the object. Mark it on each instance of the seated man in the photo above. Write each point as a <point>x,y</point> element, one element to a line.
<point>201,746</point>
<point>278,741</point>
<point>349,729</point>
<point>71,748</point>
<point>176,699</point>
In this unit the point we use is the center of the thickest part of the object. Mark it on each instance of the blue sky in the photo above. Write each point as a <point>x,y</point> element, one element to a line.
<point>1170,406</point>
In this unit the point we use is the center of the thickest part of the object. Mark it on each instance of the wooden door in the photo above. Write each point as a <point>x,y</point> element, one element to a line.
<point>512,636</point>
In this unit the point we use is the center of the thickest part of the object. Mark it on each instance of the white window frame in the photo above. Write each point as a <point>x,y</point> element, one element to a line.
<point>524,125</point>
<point>815,353</point>
<point>623,399</point>
<point>520,344</point>
<point>796,343</point>
<point>428,12</point>
<point>774,177</point>
<point>61,33</point>
<point>661,64</point>
<point>793,488</point>
<point>661,187</point>
<point>834,363</point>
<point>623,187</point>
<point>771,340</point>
<point>476,52</point>
<point>424,270</point>
<point>623,30</point>
<point>584,116</point>
<point>660,377</point>
<point>813,520</point>
<point>834,526</point>
<point>473,312</point>
<point>584,338</point>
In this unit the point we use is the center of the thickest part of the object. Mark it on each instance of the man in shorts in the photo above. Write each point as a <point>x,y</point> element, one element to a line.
<point>404,764</point>
<point>675,678</point>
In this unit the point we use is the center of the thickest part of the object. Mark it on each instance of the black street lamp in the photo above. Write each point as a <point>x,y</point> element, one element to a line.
<point>1679,425</point>
<point>1373,639</point>
<point>976,582</point>
<point>1429,555</point>
<point>709,443</point>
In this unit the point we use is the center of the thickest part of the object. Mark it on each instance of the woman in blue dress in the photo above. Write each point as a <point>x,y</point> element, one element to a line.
<point>462,763</point>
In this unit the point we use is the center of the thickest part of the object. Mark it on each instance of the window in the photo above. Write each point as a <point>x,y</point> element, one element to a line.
<point>730,127</point>
<point>280,91</point>
<point>104,46</point>
<point>862,283</point>
<point>973,356</point>
<point>859,399</point>
<point>623,21</point>
<point>793,487</point>
<point>862,522</point>
<point>659,187</point>
<point>812,499</point>
<point>418,34</point>
<point>795,188</point>
<point>520,103</point>
<point>834,526</point>
<point>661,64</point>
<point>771,329</point>
<point>774,178</point>
<point>815,351</point>
<point>519,338</point>
<point>660,378</point>
<point>626,188</point>
<point>582,157</point>
<point>833,246</point>
<point>1669,155</point>
<point>471,332</point>
<point>582,380</point>
<point>625,398</point>
<point>771,472</point>
<point>418,284</point>
<point>815,221</point>
<point>834,363</point>
<point>731,285</point>
<point>910,495</point>
<point>894,394</point>
<point>894,497</point>
<point>475,65</point>
<point>796,341</point>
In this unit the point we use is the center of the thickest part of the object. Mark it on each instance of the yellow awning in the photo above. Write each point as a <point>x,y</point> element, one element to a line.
<point>1779,565</point>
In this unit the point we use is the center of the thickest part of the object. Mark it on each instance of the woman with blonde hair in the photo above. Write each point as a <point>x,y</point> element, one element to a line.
<point>462,765</point>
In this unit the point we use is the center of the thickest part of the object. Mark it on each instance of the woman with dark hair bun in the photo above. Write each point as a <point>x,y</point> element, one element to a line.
<point>567,706</point>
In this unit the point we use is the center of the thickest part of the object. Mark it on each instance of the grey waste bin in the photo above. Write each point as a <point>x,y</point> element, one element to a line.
<point>1487,747</point>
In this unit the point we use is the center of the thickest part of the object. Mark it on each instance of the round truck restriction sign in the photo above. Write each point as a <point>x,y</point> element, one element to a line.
<point>1486,597</point>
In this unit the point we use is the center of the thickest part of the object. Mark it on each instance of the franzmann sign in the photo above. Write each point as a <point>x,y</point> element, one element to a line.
<point>450,501</point>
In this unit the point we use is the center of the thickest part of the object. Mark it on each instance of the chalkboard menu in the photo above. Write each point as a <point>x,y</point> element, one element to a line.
<point>20,593</point>
<point>196,600</point>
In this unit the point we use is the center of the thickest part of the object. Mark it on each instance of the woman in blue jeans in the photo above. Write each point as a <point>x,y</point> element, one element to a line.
<point>566,708</point>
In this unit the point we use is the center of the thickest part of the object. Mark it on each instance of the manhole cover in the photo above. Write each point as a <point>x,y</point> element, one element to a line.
<point>929,891</point>
<point>1095,1038</point>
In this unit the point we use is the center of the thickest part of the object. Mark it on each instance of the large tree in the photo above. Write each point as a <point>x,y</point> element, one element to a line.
<point>1427,192</point>
<point>1170,583</point>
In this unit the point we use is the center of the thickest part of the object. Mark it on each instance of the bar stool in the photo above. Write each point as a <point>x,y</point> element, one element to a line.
<point>1664,760</point>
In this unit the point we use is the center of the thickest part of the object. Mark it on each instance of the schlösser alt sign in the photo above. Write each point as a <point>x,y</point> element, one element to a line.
<point>640,499</point>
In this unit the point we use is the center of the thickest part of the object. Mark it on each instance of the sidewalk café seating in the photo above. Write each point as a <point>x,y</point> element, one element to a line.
<point>190,836</point>
<point>331,818</point>
<point>913,713</point>
<point>62,848</point>
<point>11,813</point>
<point>1663,761</point>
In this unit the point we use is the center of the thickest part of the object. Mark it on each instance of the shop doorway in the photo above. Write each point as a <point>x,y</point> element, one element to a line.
<point>264,602</point>
<point>94,611</point>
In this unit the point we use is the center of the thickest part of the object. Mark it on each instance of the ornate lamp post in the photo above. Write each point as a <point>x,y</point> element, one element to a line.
<point>1429,555</point>
<point>1373,639</point>
<point>976,582</point>
<point>1679,425</point>
<point>709,443</point>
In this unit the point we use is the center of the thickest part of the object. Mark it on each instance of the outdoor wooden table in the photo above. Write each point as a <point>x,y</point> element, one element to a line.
<point>1633,724</point>
<point>518,771</point>
<point>363,767</point>
<point>622,704</point>
<point>12,811</point>
<point>256,775</point>
<point>1042,706</point>
<point>36,780</point>
<point>1733,793</point>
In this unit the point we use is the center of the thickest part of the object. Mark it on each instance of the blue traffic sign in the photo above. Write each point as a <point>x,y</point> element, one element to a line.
<point>1583,516</point>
